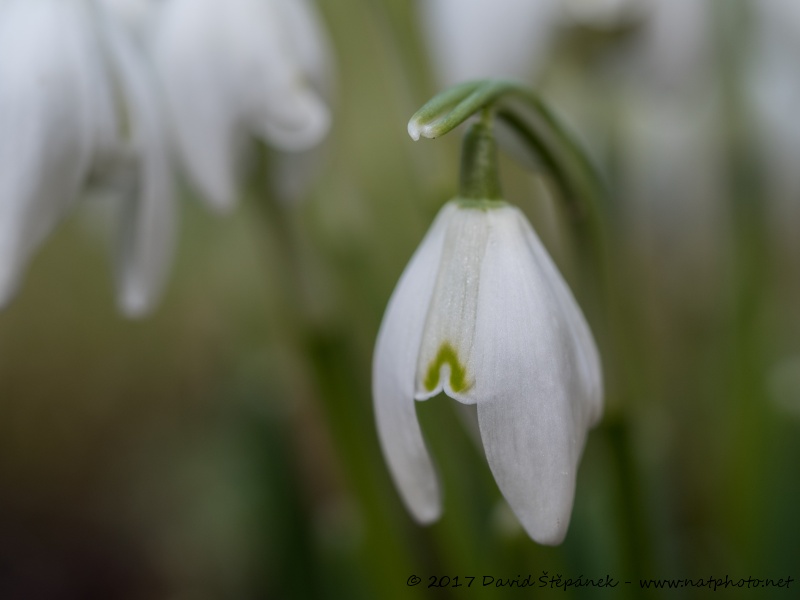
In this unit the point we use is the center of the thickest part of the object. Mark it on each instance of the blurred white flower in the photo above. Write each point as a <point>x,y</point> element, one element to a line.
<point>77,100</point>
<point>240,68</point>
<point>476,39</point>
<point>605,13</point>
<point>92,91</point>
<point>774,93</point>
<point>482,313</point>
<point>671,159</point>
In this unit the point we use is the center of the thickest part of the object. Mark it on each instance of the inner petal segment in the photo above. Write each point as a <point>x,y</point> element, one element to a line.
<point>458,372</point>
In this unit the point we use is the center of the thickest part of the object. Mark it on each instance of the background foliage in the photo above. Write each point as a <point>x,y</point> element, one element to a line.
<point>225,447</point>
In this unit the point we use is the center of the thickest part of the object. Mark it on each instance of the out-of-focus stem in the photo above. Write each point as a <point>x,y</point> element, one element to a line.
<point>335,383</point>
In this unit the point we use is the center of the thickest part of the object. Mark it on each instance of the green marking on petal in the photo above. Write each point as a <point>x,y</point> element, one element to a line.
<point>458,373</point>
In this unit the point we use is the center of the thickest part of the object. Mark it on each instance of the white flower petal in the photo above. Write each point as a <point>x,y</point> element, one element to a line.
<point>288,55</point>
<point>450,326</point>
<point>47,85</point>
<point>308,42</point>
<point>293,173</point>
<point>535,378</point>
<point>394,367</point>
<point>190,52</point>
<point>473,39</point>
<point>228,70</point>
<point>588,367</point>
<point>147,230</point>
<point>293,120</point>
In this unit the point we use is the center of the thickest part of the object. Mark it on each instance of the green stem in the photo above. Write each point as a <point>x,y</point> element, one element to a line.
<point>449,100</point>
<point>479,178</point>
<point>578,181</point>
<point>451,108</point>
<point>342,400</point>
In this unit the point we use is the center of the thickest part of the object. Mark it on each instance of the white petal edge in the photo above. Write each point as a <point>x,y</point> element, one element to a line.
<point>308,42</point>
<point>590,368</point>
<point>533,409</point>
<point>296,120</point>
<point>146,239</point>
<point>292,173</point>
<point>229,72</point>
<point>190,50</point>
<point>47,85</point>
<point>280,101</point>
<point>393,373</point>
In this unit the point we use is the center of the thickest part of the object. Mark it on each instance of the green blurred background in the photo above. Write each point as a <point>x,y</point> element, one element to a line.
<point>225,447</point>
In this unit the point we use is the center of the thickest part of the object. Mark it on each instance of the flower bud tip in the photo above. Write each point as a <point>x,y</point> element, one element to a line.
<point>414,129</point>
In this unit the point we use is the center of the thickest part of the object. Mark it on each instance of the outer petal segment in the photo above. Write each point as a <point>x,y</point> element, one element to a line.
<point>147,228</point>
<point>588,368</point>
<point>536,382</point>
<point>228,70</point>
<point>393,372</point>
<point>47,79</point>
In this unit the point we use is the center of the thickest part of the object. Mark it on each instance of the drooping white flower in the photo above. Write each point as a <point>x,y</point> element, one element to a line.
<point>475,39</point>
<point>482,313</point>
<point>235,69</point>
<point>76,99</point>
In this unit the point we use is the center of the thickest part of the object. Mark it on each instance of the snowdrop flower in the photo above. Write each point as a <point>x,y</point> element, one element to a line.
<point>482,314</point>
<point>472,39</point>
<point>76,100</point>
<point>240,68</point>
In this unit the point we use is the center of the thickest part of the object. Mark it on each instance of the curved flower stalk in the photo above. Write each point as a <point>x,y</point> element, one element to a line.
<point>235,69</point>
<point>482,314</point>
<point>470,39</point>
<point>61,124</point>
